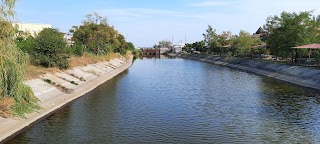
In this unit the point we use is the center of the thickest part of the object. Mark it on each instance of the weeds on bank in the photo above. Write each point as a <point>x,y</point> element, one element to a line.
<point>6,107</point>
<point>34,71</point>
<point>58,86</point>
<point>90,59</point>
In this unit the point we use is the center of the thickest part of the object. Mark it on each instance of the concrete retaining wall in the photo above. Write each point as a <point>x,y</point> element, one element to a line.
<point>79,81</point>
<point>303,76</point>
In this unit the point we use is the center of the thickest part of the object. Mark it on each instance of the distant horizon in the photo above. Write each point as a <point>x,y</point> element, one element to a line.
<point>145,23</point>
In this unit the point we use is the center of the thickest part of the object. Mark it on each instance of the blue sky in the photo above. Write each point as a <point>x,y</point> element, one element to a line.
<point>146,22</point>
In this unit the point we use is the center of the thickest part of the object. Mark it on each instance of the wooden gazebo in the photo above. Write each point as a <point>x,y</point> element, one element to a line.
<point>310,47</point>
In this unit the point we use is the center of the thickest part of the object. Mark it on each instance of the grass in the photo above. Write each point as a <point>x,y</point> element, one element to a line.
<point>58,86</point>
<point>80,78</point>
<point>90,59</point>
<point>6,106</point>
<point>73,82</point>
<point>92,72</point>
<point>34,71</point>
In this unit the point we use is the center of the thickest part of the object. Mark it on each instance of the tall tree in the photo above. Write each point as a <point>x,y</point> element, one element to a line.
<point>210,39</point>
<point>96,35</point>
<point>164,44</point>
<point>243,43</point>
<point>224,38</point>
<point>51,49</point>
<point>15,97</point>
<point>289,30</point>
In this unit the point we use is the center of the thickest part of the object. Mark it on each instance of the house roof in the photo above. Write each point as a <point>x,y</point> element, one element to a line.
<point>309,46</point>
<point>260,31</point>
<point>259,46</point>
<point>226,46</point>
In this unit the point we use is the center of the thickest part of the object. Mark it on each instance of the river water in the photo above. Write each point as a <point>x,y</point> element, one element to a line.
<point>184,101</point>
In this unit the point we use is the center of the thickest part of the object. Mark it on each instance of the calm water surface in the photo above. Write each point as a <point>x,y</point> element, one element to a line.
<point>184,101</point>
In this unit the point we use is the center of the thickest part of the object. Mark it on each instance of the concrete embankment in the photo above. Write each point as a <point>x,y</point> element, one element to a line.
<point>58,89</point>
<point>303,76</point>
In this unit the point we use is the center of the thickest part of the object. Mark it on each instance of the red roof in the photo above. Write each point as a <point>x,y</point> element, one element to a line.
<point>259,46</point>
<point>309,46</point>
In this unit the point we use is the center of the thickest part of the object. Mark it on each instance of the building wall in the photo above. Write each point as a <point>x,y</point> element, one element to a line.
<point>31,28</point>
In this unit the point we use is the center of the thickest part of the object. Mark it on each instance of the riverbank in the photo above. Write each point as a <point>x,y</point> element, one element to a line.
<point>58,89</point>
<point>302,76</point>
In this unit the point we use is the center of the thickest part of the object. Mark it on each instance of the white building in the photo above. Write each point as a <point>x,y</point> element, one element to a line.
<point>178,47</point>
<point>31,28</point>
<point>69,39</point>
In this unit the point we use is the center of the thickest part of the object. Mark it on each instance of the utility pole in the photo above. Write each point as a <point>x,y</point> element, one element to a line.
<point>172,40</point>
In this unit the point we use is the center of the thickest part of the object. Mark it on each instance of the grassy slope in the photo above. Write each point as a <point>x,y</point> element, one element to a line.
<point>34,71</point>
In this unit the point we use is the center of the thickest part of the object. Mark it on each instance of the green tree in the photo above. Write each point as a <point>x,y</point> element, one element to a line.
<point>211,40</point>
<point>97,36</point>
<point>15,97</point>
<point>188,47</point>
<point>51,49</point>
<point>243,43</point>
<point>224,40</point>
<point>27,45</point>
<point>289,30</point>
<point>199,46</point>
<point>122,46</point>
<point>164,44</point>
<point>130,46</point>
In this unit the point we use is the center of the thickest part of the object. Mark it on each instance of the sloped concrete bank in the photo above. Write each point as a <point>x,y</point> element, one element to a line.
<point>302,76</point>
<point>58,89</point>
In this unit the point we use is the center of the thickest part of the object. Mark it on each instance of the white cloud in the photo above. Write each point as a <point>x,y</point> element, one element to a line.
<point>210,4</point>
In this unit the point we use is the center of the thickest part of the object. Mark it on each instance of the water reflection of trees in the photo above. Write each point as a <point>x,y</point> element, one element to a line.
<point>288,111</point>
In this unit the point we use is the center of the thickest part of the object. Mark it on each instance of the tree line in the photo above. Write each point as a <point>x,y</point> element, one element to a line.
<point>282,33</point>
<point>95,36</point>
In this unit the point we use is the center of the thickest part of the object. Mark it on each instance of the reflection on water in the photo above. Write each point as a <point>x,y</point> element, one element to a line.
<point>185,101</point>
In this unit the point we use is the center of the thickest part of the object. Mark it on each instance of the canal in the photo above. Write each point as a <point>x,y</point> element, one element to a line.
<point>184,101</point>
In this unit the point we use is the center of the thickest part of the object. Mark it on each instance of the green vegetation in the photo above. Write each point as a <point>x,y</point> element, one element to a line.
<point>281,34</point>
<point>16,99</point>
<point>82,79</point>
<point>48,81</point>
<point>73,82</point>
<point>224,43</point>
<point>163,44</point>
<point>137,53</point>
<point>51,49</point>
<point>97,37</point>
<point>291,29</point>
<point>94,41</point>
<point>243,43</point>
<point>27,44</point>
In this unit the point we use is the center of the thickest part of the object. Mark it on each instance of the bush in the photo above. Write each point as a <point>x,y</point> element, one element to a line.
<point>27,45</point>
<point>51,49</point>
<point>77,50</point>
<point>15,98</point>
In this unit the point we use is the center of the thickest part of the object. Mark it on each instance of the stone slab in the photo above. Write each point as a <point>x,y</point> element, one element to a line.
<point>59,81</point>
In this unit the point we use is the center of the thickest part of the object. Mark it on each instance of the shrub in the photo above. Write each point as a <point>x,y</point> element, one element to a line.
<point>27,45</point>
<point>12,69</point>
<point>51,49</point>
<point>77,50</point>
